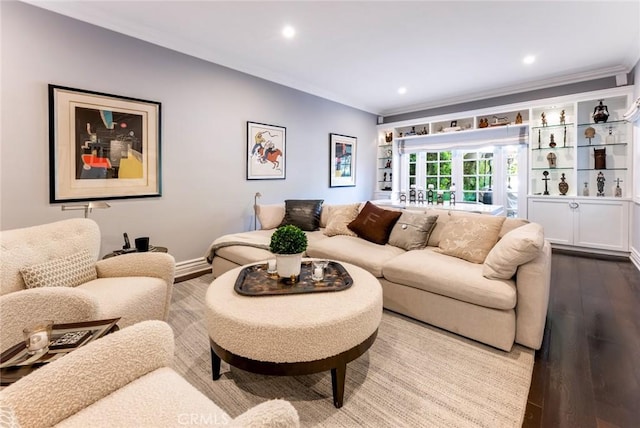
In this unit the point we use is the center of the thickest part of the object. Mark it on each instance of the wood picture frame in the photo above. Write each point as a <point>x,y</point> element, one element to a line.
<point>342,161</point>
<point>102,146</point>
<point>266,151</point>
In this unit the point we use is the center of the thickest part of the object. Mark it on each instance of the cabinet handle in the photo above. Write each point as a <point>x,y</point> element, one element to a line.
<point>574,205</point>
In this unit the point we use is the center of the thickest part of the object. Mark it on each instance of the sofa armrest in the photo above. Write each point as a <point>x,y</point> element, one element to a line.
<point>64,387</point>
<point>151,264</point>
<point>272,413</point>
<point>533,282</point>
<point>60,304</point>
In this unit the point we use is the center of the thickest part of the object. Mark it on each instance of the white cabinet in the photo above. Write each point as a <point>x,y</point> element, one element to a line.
<point>589,223</point>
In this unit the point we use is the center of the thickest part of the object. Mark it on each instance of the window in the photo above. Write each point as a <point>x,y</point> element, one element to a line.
<point>438,170</point>
<point>477,176</point>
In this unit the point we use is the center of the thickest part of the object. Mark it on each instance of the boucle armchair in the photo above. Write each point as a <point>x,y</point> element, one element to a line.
<point>135,287</point>
<point>124,380</point>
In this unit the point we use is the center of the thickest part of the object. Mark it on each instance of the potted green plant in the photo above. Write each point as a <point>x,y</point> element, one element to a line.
<point>288,243</point>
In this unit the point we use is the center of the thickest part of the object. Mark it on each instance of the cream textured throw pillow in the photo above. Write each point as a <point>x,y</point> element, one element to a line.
<point>516,248</point>
<point>470,237</point>
<point>339,217</point>
<point>69,271</point>
<point>412,230</point>
<point>270,216</point>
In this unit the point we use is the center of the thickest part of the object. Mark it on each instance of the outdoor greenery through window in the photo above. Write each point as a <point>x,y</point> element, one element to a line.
<point>477,170</point>
<point>438,171</point>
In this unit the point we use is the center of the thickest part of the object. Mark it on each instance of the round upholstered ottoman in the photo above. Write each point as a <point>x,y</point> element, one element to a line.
<point>293,334</point>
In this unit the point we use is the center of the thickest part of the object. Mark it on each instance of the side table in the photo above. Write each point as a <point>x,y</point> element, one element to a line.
<point>152,249</point>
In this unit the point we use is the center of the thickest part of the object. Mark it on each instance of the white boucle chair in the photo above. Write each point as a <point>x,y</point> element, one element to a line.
<point>124,380</point>
<point>135,287</point>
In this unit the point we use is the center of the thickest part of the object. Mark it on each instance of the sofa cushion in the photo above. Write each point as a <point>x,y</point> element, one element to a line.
<point>517,247</point>
<point>449,276</point>
<point>412,230</point>
<point>374,223</point>
<point>511,223</point>
<point>69,271</point>
<point>303,213</point>
<point>339,217</point>
<point>270,216</point>
<point>133,298</point>
<point>443,218</point>
<point>351,249</point>
<point>470,237</point>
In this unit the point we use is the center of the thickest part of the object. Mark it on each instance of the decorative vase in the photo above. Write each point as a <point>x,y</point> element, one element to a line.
<point>288,265</point>
<point>563,186</point>
<point>585,191</point>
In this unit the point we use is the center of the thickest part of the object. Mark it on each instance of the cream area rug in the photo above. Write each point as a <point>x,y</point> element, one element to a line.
<point>414,375</point>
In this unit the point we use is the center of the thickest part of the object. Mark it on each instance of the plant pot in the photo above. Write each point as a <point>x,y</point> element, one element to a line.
<point>288,265</point>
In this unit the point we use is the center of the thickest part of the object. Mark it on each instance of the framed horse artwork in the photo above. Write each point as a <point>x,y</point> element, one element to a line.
<point>266,151</point>
<point>342,162</point>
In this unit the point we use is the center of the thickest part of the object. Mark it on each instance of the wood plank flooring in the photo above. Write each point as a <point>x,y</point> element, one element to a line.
<point>587,373</point>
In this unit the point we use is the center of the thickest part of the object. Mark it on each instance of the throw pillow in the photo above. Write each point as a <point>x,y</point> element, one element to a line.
<point>69,271</point>
<point>339,218</point>
<point>270,216</point>
<point>374,223</point>
<point>470,237</point>
<point>412,231</point>
<point>304,213</point>
<point>516,248</point>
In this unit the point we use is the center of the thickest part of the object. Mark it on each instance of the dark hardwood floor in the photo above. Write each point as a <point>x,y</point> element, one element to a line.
<point>587,373</point>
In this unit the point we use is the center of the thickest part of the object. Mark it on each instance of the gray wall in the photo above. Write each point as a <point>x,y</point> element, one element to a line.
<point>204,112</point>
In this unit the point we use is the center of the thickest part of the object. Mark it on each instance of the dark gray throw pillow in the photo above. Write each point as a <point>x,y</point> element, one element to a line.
<point>412,230</point>
<point>304,213</point>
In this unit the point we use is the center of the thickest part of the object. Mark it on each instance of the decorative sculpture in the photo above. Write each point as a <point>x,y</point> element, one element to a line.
<point>452,194</point>
<point>412,194</point>
<point>600,183</point>
<point>483,123</point>
<point>552,141</point>
<point>563,186</point>
<point>611,139</point>
<point>618,192</point>
<point>388,137</point>
<point>543,119</point>
<point>589,133</point>
<point>585,191</point>
<point>600,158</point>
<point>562,117</point>
<point>551,158</point>
<point>546,182</point>
<point>518,118</point>
<point>564,137</point>
<point>600,113</point>
<point>538,139</point>
<point>420,197</point>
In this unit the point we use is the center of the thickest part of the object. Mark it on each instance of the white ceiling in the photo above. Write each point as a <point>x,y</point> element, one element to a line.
<point>360,52</point>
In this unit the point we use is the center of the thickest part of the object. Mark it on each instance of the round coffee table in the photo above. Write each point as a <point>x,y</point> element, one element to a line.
<point>294,334</point>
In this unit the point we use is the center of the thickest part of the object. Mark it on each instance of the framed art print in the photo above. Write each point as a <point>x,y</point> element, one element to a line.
<point>102,146</point>
<point>343,160</point>
<point>266,151</point>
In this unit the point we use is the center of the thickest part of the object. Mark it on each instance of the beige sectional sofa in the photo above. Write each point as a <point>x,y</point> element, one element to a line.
<point>483,301</point>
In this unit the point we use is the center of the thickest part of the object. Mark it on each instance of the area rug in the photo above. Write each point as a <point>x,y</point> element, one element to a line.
<point>414,375</point>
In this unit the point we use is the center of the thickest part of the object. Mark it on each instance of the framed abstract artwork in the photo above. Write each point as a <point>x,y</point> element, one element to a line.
<point>102,146</point>
<point>342,171</point>
<point>266,151</point>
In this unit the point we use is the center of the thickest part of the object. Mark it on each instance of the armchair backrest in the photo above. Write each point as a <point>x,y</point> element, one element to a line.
<point>37,244</point>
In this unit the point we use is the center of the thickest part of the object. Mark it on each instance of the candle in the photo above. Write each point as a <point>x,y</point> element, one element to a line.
<point>440,192</point>
<point>430,186</point>
<point>38,340</point>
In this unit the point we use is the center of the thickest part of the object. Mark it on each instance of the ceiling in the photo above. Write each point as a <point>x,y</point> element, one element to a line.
<point>360,52</point>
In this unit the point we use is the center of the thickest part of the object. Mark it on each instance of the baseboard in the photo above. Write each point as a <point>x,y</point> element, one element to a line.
<point>635,258</point>
<point>191,268</point>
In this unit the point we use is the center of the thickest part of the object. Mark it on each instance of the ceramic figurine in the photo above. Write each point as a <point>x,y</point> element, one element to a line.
<point>551,158</point>
<point>562,117</point>
<point>552,141</point>
<point>585,191</point>
<point>589,133</point>
<point>483,123</point>
<point>546,182</point>
<point>518,118</point>
<point>563,186</point>
<point>600,113</point>
<point>600,183</point>
<point>543,119</point>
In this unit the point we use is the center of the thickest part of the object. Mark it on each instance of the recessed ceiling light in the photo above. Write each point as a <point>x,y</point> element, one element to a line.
<point>529,59</point>
<point>288,31</point>
<point>402,90</point>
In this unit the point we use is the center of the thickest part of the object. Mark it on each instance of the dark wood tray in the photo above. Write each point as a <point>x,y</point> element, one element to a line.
<point>255,281</point>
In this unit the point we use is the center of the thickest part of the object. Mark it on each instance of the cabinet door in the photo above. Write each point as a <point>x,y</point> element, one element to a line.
<point>602,224</point>
<point>556,216</point>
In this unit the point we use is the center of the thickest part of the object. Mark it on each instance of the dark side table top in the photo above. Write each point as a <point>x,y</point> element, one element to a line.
<point>152,249</point>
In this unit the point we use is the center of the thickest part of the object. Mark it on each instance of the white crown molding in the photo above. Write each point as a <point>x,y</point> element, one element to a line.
<point>514,89</point>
